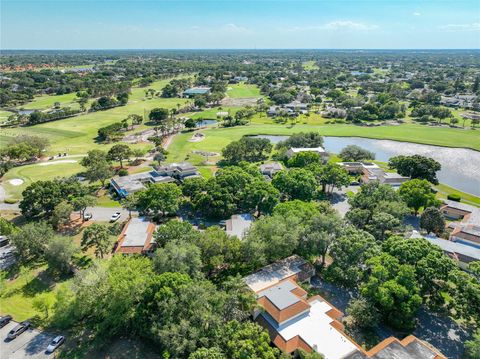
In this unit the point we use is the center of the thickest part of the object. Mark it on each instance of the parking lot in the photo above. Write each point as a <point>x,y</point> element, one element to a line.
<point>30,344</point>
<point>6,260</point>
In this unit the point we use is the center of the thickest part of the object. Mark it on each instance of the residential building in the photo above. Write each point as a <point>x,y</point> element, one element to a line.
<point>125,185</point>
<point>237,79</point>
<point>295,321</point>
<point>194,91</point>
<point>293,151</point>
<point>136,237</point>
<point>372,172</point>
<point>269,169</point>
<point>461,253</point>
<point>238,225</point>
<point>466,228</point>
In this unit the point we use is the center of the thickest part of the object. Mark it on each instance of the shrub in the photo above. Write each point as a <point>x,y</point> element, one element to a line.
<point>10,201</point>
<point>123,172</point>
<point>454,197</point>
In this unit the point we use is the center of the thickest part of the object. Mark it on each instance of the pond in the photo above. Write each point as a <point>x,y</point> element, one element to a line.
<point>203,123</point>
<point>460,166</point>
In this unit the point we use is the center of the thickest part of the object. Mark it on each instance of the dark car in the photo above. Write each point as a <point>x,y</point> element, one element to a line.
<point>19,329</point>
<point>5,320</point>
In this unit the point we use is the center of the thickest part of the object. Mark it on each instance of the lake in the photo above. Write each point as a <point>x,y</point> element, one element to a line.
<point>460,166</point>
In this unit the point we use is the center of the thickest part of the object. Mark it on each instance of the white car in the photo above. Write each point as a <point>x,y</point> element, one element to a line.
<point>55,343</point>
<point>115,216</point>
<point>87,216</point>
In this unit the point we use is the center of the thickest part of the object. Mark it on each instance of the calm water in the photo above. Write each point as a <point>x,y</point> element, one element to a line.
<point>206,123</point>
<point>460,166</point>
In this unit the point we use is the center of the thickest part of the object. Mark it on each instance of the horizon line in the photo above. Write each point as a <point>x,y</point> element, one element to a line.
<point>239,48</point>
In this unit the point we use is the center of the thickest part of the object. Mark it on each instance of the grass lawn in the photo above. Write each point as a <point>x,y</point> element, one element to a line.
<point>37,172</point>
<point>17,295</point>
<point>46,101</point>
<point>243,90</point>
<point>4,115</point>
<point>444,191</point>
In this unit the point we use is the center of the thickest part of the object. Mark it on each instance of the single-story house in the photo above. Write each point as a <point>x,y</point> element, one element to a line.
<point>238,225</point>
<point>462,253</point>
<point>125,185</point>
<point>375,173</point>
<point>136,237</point>
<point>466,229</point>
<point>269,169</point>
<point>194,91</point>
<point>237,79</point>
<point>295,321</point>
<point>319,150</point>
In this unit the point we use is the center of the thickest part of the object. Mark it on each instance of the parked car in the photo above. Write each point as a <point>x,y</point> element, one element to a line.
<point>8,253</point>
<point>5,320</point>
<point>19,329</point>
<point>59,340</point>
<point>355,183</point>
<point>87,216</point>
<point>115,216</point>
<point>3,241</point>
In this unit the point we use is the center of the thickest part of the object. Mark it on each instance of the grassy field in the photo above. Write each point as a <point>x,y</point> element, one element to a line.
<point>37,172</point>
<point>243,90</point>
<point>4,115</point>
<point>18,295</point>
<point>45,102</point>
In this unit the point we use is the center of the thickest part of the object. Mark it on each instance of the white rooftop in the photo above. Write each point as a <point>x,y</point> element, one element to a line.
<point>316,330</point>
<point>274,273</point>
<point>307,149</point>
<point>239,224</point>
<point>136,233</point>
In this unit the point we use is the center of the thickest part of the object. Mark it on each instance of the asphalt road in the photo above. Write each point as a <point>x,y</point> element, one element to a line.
<point>30,344</point>
<point>102,214</point>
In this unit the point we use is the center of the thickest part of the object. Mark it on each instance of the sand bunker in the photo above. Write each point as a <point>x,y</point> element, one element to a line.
<point>55,162</point>
<point>16,182</point>
<point>197,137</point>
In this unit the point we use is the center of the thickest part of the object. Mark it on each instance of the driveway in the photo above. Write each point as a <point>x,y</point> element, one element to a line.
<point>30,344</point>
<point>339,199</point>
<point>103,214</point>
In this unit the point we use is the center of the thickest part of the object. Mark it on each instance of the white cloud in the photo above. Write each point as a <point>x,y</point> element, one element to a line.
<point>337,25</point>
<point>475,26</point>
<point>416,13</point>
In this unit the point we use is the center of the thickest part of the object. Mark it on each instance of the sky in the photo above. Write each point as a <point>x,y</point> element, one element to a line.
<point>240,24</point>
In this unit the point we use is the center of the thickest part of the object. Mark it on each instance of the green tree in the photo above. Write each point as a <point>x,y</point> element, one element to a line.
<point>248,149</point>
<point>119,152</point>
<point>319,235</point>
<point>40,198</point>
<point>382,225</point>
<point>261,197</point>
<point>31,240</point>
<point>297,183</point>
<point>416,166</point>
<point>248,340</point>
<point>303,159</point>
<point>130,203</point>
<point>160,198</point>
<point>59,253</point>
<point>472,346</point>
<point>432,221</point>
<point>98,166</point>
<point>354,153</point>
<point>331,176</point>
<point>392,288</point>
<point>80,204</point>
<point>172,231</point>
<point>61,214</point>
<point>302,140</point>
<point>180,257</point>
<point>158,115</point>
<point>97,236</point>
<point>210,353</point>
<point>350,253</point>
<point>363,313</point>
<point>417,193</point>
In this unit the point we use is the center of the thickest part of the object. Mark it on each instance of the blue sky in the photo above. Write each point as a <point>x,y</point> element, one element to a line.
<point>160,24</point>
